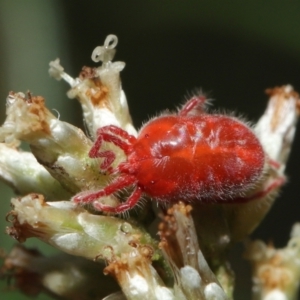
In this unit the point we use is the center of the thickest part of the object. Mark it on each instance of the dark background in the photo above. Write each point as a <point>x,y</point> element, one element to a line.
<point>233,51</point>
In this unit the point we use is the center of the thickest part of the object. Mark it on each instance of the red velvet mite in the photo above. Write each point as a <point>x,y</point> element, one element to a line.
<point>189,156</point>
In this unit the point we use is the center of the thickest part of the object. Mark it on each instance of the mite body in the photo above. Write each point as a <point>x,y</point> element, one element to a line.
<point>189,156</point>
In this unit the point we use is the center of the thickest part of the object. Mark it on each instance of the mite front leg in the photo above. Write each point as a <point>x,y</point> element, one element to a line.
<point>118,132</point>
<point>122,207</point>
<point>94,152</point>
<point>118,137</point>
<point>125,146</point>
<point>117,185</point>
<point>109,156</point>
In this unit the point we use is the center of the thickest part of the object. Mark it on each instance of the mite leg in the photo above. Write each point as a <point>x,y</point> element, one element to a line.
<point>272,186</point>
<point>109,156</point>
<point>266,191</point>
<point>118,184</point>
<point>194,106</point>
<point>114,135</point>
<point>94,152</point>
<point>125,146</point>
<point>107,137</point>
<point>118,132</point>
<point>122,207</point>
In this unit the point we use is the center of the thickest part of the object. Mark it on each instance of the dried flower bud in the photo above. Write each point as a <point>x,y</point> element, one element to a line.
<point>193,277</point>
<point>276,272</point>
<point>276,128</point>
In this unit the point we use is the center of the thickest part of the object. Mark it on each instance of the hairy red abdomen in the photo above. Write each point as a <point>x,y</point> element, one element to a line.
<point>204,157</point>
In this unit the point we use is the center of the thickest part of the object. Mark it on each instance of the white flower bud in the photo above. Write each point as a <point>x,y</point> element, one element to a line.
<point>99,90</point>
<point>21,170</point>
<point>72,229</point>
<point>59,146</point>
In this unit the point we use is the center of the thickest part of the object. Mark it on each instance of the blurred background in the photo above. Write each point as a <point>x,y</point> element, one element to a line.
<point>232,51</point>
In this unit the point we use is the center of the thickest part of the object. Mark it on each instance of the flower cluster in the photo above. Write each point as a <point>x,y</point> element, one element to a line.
<point>188,261</point>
